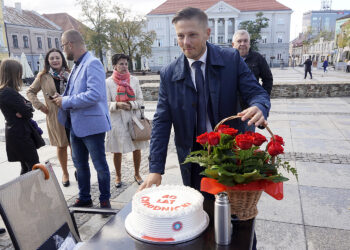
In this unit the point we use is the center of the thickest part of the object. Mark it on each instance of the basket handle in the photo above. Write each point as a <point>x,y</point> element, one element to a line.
<point>232,118</point>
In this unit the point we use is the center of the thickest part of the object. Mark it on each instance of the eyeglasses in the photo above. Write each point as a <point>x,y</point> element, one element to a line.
<point>62,46</point>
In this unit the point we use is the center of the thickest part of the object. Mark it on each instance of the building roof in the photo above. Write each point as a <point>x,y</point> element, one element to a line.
<point>343,17</point>
<point>65,21</point>
<point>172,6</point>
<point>27,18</point>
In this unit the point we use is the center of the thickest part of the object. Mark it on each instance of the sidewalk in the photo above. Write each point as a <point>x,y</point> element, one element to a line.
<point>315,212</point>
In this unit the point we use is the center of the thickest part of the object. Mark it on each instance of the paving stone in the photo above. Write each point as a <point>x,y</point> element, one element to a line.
<point>324,174</point>
<point>326,207</point>
<point>279,236</point>
<point>319,238</point>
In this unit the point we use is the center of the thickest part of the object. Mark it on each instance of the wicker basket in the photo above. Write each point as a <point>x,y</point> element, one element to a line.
<point>243,202</point>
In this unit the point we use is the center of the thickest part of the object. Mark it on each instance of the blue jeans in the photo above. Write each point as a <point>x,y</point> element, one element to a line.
<point>81,148</point>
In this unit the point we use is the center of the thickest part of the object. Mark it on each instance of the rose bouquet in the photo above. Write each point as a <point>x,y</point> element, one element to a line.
<point>232,158</point>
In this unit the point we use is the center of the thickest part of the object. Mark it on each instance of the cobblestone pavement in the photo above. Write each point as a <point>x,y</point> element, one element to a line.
<point>317,133</point>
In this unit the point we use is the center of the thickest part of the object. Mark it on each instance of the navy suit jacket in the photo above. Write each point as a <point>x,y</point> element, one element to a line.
<point>227,74</point>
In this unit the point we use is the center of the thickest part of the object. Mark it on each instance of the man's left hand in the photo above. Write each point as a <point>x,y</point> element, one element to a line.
<point>255,116</point>
<point>57,99</point>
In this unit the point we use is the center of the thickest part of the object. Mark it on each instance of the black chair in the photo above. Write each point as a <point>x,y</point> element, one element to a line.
<point>34,209</point>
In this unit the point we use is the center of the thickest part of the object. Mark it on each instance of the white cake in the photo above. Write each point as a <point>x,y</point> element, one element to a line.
<point>167,214</point>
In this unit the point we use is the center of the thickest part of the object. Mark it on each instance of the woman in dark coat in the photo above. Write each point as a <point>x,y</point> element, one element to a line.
<point>17,111</point>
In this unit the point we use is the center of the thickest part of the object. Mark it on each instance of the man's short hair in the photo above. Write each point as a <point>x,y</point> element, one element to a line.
<point>73,36</point>
<point>191,13</point>
<point>240,33</point>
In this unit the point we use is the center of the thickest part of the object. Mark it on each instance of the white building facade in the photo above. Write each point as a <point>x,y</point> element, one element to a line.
<point>224,20</point>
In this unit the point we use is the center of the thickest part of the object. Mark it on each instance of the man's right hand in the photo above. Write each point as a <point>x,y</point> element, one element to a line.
<point>153,178</point>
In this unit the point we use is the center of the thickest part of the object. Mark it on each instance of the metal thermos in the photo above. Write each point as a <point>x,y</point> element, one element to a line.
<point>222,219</point>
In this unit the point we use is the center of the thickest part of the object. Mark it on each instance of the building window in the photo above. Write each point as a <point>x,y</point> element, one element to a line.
<point>40,43</point>
<point>220,39</point>
<point>159,43</point>
<point>160,60</point>
<point>229,40</point>
<point>57,43</point>
<point>49,42</point>
<point>211,39</point>
<point>25,42</point>
<point>15,41</point>
<point>279,56</point>
<point>280,21</point>
<point>263,39</point>
<point>279,38</point>
<point>175,41</point>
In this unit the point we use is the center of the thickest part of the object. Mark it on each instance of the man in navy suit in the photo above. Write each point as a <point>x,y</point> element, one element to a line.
<point>84,110</point>
<point>180,105</point>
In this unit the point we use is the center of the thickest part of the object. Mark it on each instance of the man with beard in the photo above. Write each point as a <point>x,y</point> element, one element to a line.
<point>256,63</point>
<point>83,109</point>
<point>196,91</point>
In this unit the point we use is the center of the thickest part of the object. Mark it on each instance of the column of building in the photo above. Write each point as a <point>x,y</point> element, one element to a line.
<point>216,33</point>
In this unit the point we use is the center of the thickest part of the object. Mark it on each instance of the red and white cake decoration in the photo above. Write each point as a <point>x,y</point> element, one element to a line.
<point>167,214</point>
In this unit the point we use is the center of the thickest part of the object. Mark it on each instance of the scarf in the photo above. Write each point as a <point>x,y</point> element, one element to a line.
<point>62,76</point>
<point>124,91</point>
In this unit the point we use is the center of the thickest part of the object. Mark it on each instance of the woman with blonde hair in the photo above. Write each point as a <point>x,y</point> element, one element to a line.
<point>20,144</point>
<point>51,80</point>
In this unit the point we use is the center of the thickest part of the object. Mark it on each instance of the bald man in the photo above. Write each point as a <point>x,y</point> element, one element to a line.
<point>83,109</point>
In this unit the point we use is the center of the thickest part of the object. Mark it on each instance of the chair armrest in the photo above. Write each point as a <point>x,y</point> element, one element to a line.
<point>88,210</point>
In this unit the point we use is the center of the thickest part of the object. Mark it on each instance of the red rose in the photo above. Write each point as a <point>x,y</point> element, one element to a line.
<point>258,139</point>
<point>203,138</point>
<point>274,148</point>
<point>214,138</point>
<point>221,127</point>
<point>229,131</point>
<point>278,139</point>
<point>244,141</point>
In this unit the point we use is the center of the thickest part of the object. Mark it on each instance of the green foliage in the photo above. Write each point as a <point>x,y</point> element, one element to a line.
<point>112,27</point>
<point>344,36</point>
<point>94,14</point>
<point>254,29</point>
<point>128,36</point>
<point>231,165</point>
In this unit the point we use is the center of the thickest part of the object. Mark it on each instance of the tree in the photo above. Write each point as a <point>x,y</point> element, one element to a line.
<point>344,36</point>
<point>128,35</point>
<point>254,29</point>
<point>94,14</point>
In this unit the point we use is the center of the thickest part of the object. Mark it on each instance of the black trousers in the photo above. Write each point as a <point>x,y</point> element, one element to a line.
<point>306,71</point>
<point>27,166</point>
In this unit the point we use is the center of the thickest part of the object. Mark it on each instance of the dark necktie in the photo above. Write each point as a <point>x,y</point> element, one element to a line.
<point>201,105</point>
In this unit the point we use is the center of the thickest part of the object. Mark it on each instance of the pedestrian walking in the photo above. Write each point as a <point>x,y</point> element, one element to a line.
<point>256,63</point>
<point>125,99</point>
<point>51,80</point>
<point>348,66</point>
<point>308,64</point>
<point>20,144</point>
<point>84,110</point>
<point>325,65</point>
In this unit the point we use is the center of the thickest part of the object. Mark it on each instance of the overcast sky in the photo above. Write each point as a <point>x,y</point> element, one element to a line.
<point>142,7</point>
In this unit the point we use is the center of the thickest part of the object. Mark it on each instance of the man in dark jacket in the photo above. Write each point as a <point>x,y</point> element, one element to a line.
<point>203,74</point>
<point>196,91</point>
<point>308,64</point>
<point>256,62</point>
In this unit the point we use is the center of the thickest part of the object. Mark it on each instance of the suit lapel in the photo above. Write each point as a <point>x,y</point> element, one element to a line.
<point>214,64</point>
<point>75,73</point>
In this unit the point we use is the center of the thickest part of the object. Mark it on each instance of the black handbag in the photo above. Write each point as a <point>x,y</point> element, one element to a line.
<point>38,140</point>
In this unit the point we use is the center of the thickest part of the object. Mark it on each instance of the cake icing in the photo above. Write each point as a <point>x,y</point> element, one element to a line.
<point>167,214</point>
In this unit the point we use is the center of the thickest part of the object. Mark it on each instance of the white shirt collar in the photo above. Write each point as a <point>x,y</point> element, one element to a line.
<point>203,58</point>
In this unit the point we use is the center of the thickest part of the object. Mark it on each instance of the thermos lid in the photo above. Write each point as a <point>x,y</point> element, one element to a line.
<point>221,197</point>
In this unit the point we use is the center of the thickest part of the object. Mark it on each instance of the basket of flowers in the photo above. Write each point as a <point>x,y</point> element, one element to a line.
<point>242,166</point>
